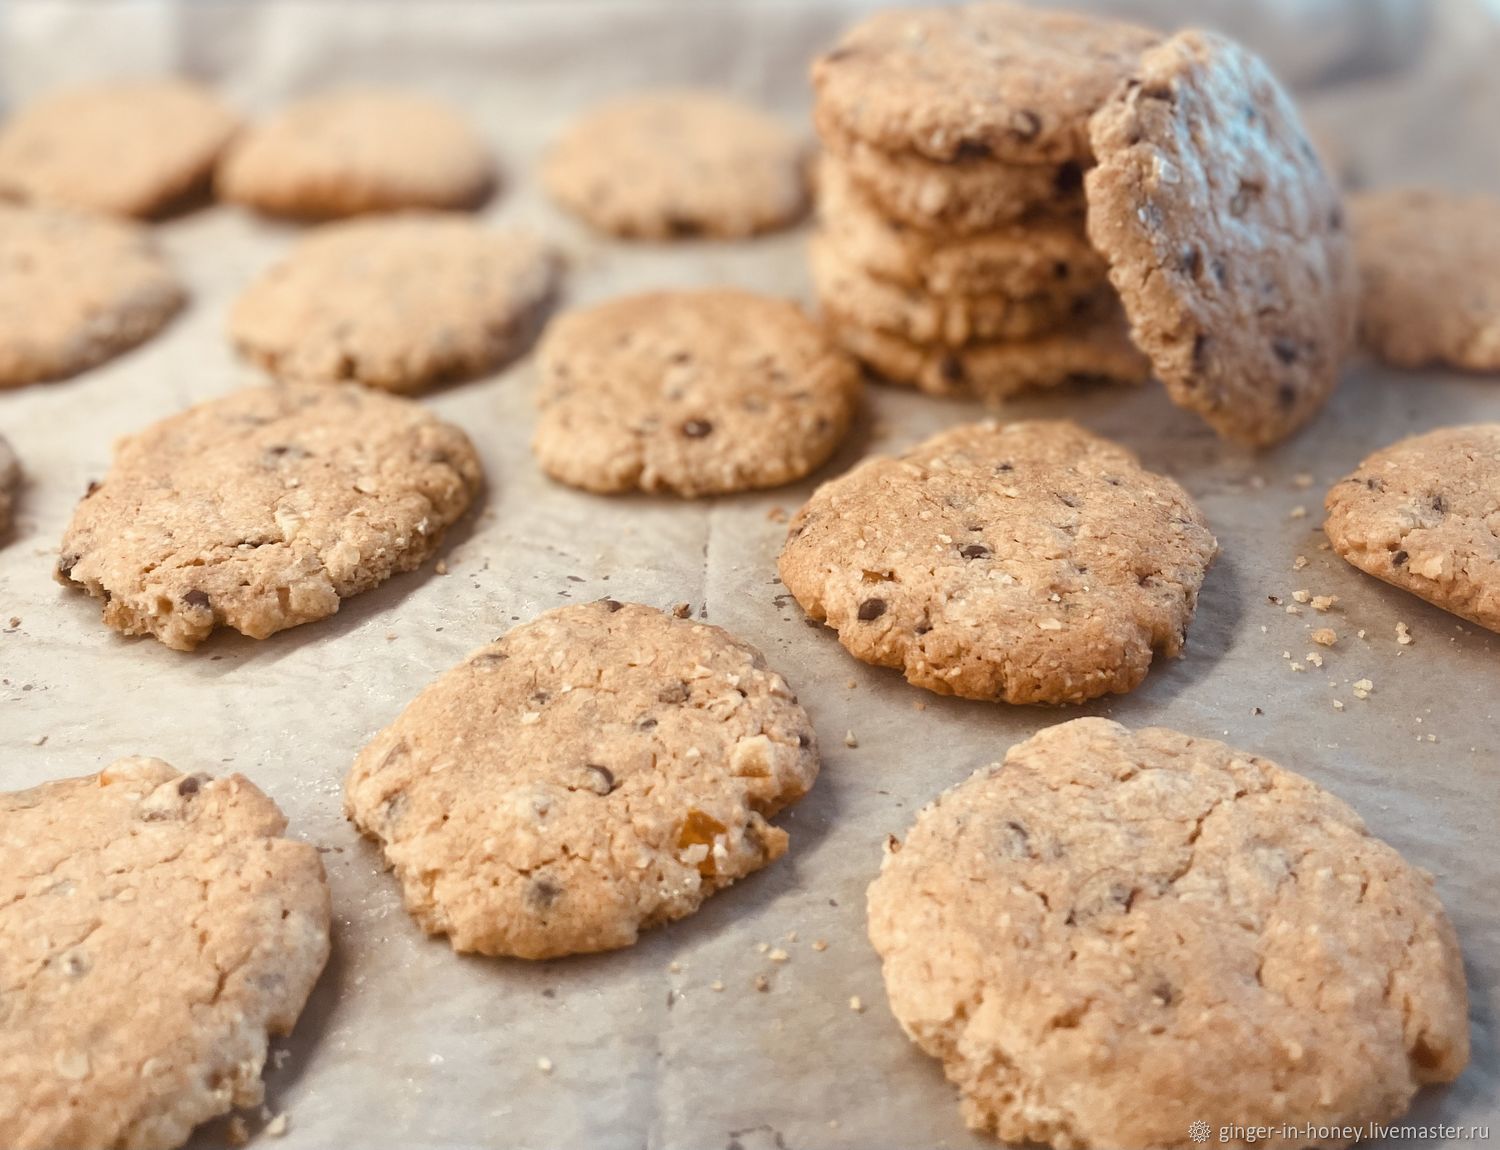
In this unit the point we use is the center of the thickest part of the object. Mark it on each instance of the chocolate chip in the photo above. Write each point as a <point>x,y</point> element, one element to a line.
<point>66,564</point>
<point>680,357</point>
<point>1159,92</point>
<point>196,598</point>
<point>975,551</point>
<point>1200,351</point>
<point>1286,395</point>
<point>677,693</point>
<point>1286,351</point>
<point>1399,558</point>
<point>951,368</point>
<point>683,227</point>
<point>1219,270</point>
<point>1069,178</point>
<point>189,786</point>
<point>1163,992</point>
<point>1002,467</point>
<point>1190,259</point>
<point>645,724</point>
<point>1439,504</point>
<point>871,609</point>
<point>697,428</point>
<point>1015,841</point>
<point>601,780</point>
<point>973,150</point>
<point>1026,124</point>
<point>93,486</point>
<point>1240,202</point>
<point>611,605</point>
<point>542,893</point>
<point>804,739</point>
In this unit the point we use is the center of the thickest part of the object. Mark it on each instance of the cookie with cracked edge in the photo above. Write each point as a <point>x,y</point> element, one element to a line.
<point>155,930</point>
<point>1116,935</point>
<point>1225,237</point>
<point>10,486</point>
<point>354,151</point>
<point>75,291</point>
<point>125,147</point>
<point>975,81</point>
<point>264,509</point>
<point>698,392</point>
<point>1029,562</point>
<point>1423,514</point>
<point>1429,276</point>
<point>679,163</point>
<point>397,302</point>
<point>597,771</point>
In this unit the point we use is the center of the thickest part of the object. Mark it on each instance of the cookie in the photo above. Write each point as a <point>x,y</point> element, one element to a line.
<point>10,486</point>
<point>396,302</point>
<point>264,508</point>
<point>1424,514</point>
<point>976,81</point>
<point>355,151</point>
<point>851,294</point>
<point>597,771</point>
<point>155,930</point>
<point>1429,271</point>
<point>1094,348</point>
<point>126,148</point>
<point>1225,238</point>
<point>698,392</point>
<point>959,197</point>
<point>1040,258</point>
<point>1031,562</point>
<point>1117,938</point>
<point>672,164</point>
<point>76,290</point>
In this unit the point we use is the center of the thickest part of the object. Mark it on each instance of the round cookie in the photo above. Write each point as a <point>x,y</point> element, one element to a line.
<point>852,294</point>
<point>664,165</point>
<point>1429,272</point>
<point>1225,238</point>
<point>351,152</point>
<point>976,81</point>
<point>1092,348</point>
<point>76,290</point>
<point>396,302</point>
<point>155,930</point>
<point>10,486</point>
<point>264,508</point>
<point>1041,258</point>
<point>695,392</point>
<point>1424,514</point>
<point>127,148</point>
<point>1031,562</point>
<point>597,771</point>
<point>1117,937</point>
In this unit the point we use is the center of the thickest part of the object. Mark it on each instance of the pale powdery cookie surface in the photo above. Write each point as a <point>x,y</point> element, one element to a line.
<point>1031,562</point>
<point>987,80</point>
<point>1115,935</point>
<point>1225,238</point>
<point>263,509</point>
<point>670,164</point>
<point>155,930</point>
<point>396,302</point>
<point>1424,514</point>
<point>1429,268</point>
<point>74,291</point>
<point>597,771</point>
<point>359,150</point>
<point>130,148</point>
<point>695,392</point>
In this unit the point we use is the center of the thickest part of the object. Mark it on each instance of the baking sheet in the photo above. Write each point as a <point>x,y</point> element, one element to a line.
<point>404,1043</point>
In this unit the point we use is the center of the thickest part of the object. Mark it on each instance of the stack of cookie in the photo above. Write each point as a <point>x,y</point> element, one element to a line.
<point>952,252</point>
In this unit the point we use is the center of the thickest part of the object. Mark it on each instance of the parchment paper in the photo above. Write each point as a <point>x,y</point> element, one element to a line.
<point>405,1044</point>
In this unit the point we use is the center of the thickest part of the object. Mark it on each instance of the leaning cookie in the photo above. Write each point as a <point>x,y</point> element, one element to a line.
<point>397,303</point>
<point>265,509</point>
<point>1127,939</point>
<point>76,290</point>
<point>361,150</point>
<point>1422,514</point>
<point>1031,562</point>
<point>1225,238</point>
<point>155,930</point>
<point>694,392</point>
<point>126,147</point>
<point>665,165</point>
<point>597,771</point>
<point>10,486</point>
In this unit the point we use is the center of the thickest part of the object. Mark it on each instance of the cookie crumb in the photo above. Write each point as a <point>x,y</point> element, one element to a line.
<point>544,1064</point>
<point>1298,512</point>
<point>1324,637</point>
<point>38,740</point>
<point>1302,596</point>
<point>238,1133</point>
<point>1362,688</point>
<point>1323,602</point>
<point>761,983</point>
<point>1315,659</point>
<point>716,985</point>
<point>1302,480</point>
<point>1338,704</point>
<point>278,1125</point>
<point>850,740</point>
<point>682,610</point>
<point>674,968</point>
<point>856,1004</point>
<point>820,944</point>
<point>779,955</point>
<point>1404,635</point>
<point>441,567</point>
<point>1299,562</point>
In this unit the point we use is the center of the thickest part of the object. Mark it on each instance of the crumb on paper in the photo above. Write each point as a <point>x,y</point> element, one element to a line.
<point>820,944</point>
<point>389,636</point>
<point>777,514</point>
<point>441,567</point>
<point>791,936</point>
<point>1302,596</point>
<point>277,1126</point>
<point>38,740</point>
<point>716,985</point>
<point>1338,704</point>
<point>761,983</point>
<point>1299,562</point>
<point>1314,658</point>
<point>1323,602</point>
<point>238,1133</point>
<point>1298,667</point>
<point>1324,637</point>
<point>849,740</point>
<point>779,955</point>
<point>1293,609</point>
<point>682,610</point>
<point>919,705</point>
<point>856,1004</point>
<point>544,1064</point>
<point>674,967</point>
<point>852,683</point>
<point>1362,688</point>
<point>279,1058</point>
<point>762,947</point>
<point>1298,512</point>
<point>1404,635</point>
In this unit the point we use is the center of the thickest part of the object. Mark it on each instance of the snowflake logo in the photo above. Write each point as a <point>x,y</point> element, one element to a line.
<point>1198,1131</point>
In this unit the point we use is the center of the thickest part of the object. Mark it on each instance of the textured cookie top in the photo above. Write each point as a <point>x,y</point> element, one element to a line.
<point>75,290</point>
<point>1116,934</point>
<point>1429,268</point>
<point>1031,562</point>
<point>129,148</point>
<point>264,508</point>
<point>350,152</point>
<point>662,165</point>
<point>155,928</point>
<point>1424,514</point>
<point>695,392</point>
<point>397,302</point>
<point>1225,237</point>
<point>987,80</point>
<point>601,769</point>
